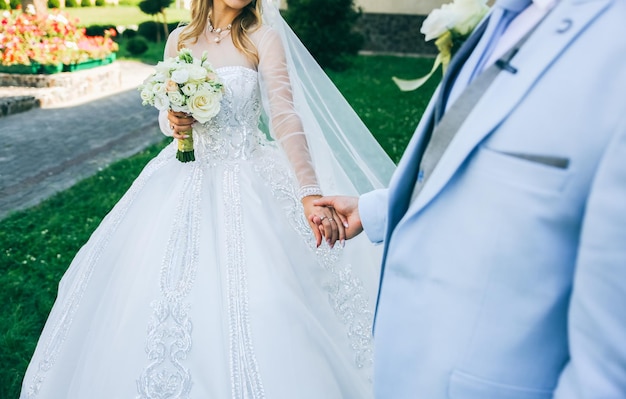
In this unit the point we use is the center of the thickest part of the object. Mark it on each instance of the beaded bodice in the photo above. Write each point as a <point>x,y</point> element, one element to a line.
<point>233,134</point>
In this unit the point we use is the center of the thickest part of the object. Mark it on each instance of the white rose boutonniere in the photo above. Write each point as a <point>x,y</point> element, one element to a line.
<point>450,25</point>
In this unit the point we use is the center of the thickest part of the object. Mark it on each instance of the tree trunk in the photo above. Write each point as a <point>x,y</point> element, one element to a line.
<point>165,27</point>
<point>41,6</point>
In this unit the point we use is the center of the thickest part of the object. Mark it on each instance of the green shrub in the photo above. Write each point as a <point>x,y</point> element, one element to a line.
<point>129,33</point>
<point>15,4</point>
<point>52,3</point>
<point>4,5</point>
<point>327,28</point>
<point>98,30</point>
<point>151,30</point>
<point>137,45</point>
<point>71,3</point>
<point>85,3</point>
<point>101,3</point>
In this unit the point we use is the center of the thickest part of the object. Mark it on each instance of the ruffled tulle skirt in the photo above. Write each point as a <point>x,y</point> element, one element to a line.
<point>204,282</point>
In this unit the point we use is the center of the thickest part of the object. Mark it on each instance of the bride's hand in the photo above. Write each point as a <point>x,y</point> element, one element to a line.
<point>328,225</point>
<point>180,123</point>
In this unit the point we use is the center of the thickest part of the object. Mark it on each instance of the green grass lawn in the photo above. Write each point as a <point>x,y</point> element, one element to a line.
<point>121,15</point>
<point>391,115</point>
<point>39,243</point>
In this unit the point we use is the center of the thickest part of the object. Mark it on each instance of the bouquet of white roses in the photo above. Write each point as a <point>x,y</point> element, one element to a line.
<point>184,84</point>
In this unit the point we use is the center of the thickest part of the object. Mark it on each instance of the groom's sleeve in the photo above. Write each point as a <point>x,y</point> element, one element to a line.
<point>373,213</point>
<point>597,314</point>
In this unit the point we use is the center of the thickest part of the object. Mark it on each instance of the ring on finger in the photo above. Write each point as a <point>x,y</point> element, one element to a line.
<point>322,217</point>
<point>331,219</point>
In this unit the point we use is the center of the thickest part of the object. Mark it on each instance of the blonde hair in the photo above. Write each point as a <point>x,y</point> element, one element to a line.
<point>248,20</point>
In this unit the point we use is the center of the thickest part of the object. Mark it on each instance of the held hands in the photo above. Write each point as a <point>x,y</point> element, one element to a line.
<point>325,222</point>
<point>180,123</point>
<point>347,211</point>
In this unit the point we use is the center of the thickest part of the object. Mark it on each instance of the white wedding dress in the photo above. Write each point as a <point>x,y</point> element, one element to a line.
<point>204,280</point>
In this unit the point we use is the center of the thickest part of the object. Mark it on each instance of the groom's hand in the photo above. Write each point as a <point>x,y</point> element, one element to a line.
<point>324,222</point>
<point>347,208</point>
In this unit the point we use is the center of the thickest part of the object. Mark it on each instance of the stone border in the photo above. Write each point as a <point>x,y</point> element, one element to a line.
<point>15,104</point>
<point>61,88</point>
<point>395,34</point>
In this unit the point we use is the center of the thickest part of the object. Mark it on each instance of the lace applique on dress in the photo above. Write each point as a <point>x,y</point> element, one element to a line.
<point>233,134</point>
<point>245,377</point>
<point>63,320</point>
<point>230,137</point>
<point>169,333</point>
<point>346,292</point>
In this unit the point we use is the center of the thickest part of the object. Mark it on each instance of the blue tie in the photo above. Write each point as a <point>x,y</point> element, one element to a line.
<point>504,11</point>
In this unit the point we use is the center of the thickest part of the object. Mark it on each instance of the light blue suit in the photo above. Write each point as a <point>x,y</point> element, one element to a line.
<point>506,277</point>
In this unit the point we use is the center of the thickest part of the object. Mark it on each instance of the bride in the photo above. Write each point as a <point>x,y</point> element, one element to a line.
<point>205,280</point>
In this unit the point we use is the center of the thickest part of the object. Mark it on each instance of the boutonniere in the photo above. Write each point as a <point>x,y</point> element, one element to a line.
<point>450,25</point>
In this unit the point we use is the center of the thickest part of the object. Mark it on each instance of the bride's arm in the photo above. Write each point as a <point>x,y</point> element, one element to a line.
<point>286,127</point>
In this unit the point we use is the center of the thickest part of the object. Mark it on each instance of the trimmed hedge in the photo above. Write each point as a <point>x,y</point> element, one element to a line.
<point>327,28</point>
<point>98,30</point>
<point>137,45</point>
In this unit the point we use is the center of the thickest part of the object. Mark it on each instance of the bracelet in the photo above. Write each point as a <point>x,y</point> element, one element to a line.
<point>312,189</point>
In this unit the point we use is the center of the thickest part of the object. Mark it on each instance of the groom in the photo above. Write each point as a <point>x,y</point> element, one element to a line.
<point>504,226</point>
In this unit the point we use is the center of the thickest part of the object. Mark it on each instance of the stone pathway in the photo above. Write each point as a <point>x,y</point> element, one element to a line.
<point>47,150</point>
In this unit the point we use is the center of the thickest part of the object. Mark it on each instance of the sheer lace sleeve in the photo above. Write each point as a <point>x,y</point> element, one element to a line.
<point>285,124</point>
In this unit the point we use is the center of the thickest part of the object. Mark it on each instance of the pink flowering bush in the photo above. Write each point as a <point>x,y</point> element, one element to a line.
<point>28,39</point>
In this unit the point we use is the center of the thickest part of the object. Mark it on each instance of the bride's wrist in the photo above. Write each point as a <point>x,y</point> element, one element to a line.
<point>311,190</point>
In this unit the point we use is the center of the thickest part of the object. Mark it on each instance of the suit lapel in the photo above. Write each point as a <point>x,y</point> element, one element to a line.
<point>401,184</point>
<point>402,181</point>
<point>549,40</point>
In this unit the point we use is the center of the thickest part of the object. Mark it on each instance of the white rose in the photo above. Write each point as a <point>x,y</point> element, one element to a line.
<point>180,76</point>
<point>163,67</point>
<point>147,95</point>
<point>161,102</point>
<point>208,87</point>
<point>197,73</point>
<point>438,22</point>
<point>189,89</point>
<point>176,99</point>
<point>158,88</point>
<point>160,76</point>
<point>204,105</point>
<point>469,13</point>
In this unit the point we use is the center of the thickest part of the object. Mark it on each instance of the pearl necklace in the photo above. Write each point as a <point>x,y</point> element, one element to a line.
<point>220,32</point>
